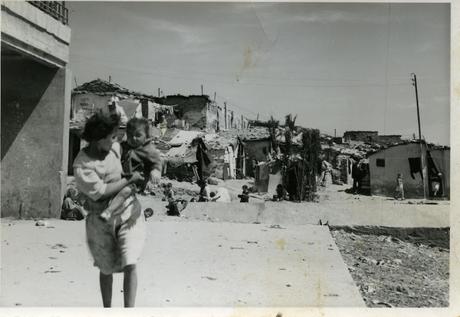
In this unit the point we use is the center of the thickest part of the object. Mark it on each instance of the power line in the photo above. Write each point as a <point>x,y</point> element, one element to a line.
<point>275,81</point>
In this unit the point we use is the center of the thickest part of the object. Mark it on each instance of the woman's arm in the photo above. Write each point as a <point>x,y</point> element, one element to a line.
<point>113,188</point>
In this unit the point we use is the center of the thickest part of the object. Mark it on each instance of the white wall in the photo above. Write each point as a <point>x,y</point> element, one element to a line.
<point>383,179</point>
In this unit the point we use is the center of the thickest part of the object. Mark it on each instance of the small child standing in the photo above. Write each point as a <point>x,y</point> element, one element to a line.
<point>168,192</point>
<point>244,197</point>
<point>399,190</point>
<point>175,206</point>
<point>138,155</point>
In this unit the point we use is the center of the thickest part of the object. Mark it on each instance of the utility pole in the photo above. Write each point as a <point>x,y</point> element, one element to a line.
<point>215,96</point>
<point>225,114</point>
<point>422,151</point>
<point>110,79</point>
<point>202,90</point>
<point>414,83</point>
<point>159,93</point>
<point>335,133</point>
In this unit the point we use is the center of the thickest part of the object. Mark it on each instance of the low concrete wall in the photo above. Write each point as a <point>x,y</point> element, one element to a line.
<point>336,214</point>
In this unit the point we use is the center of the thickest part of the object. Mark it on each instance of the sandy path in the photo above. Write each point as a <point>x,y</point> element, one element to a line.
<point>184,264</point>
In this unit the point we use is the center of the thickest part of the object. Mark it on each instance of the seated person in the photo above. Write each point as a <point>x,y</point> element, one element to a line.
<point>244,197</point>
<point>204,191</point>
<point>280,193</point>
<point>71,207</point>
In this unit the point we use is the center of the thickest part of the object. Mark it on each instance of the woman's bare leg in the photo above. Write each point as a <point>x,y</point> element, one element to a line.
<point>106,282</point>
<point>130,285</point>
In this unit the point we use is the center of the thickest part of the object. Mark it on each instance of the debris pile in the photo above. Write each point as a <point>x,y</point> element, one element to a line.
<point>391,272</point>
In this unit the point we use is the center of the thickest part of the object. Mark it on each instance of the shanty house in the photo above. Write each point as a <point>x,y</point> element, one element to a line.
<point>198,110</point>
<point>257,144</point>
<point>202,113</point>
<point>406,159</point>
<point>94,95</point>
<point>222,150</point>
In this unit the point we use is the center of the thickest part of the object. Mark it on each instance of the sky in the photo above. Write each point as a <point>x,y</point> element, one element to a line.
<point>337,66</point>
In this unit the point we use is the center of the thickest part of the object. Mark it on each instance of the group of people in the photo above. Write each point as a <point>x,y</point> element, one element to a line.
<point>435,186</point>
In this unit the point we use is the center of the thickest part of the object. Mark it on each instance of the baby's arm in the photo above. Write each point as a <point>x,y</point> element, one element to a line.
<point>153,161</point>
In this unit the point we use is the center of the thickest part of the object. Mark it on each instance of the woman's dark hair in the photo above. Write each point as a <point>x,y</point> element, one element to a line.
<point>99,126</point>
<point>134,123</point>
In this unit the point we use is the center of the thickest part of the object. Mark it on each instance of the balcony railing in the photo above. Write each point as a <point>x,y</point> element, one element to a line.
<point>56,9</point>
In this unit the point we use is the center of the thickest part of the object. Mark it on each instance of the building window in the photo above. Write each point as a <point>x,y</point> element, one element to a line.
<point>380,162</point>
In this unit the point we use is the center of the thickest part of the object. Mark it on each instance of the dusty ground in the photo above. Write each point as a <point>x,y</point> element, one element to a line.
<point>394,273</point>
<point>184,264</point>
<point>387,272</point>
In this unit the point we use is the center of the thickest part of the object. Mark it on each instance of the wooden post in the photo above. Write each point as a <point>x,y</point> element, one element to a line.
<point>145,108</point>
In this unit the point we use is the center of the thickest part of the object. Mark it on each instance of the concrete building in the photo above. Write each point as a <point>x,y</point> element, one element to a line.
<point>369,136</point>
<point>35,107</point>
<point>363,136</point>
<point>388,139</point>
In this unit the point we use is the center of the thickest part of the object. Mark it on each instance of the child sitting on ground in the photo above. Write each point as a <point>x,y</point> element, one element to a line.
<point>138,155</point>
<point>71,206</point>
<point>244,197</point>
<point>399,190</point>
<point>204,194</point>
<point>280,193</point>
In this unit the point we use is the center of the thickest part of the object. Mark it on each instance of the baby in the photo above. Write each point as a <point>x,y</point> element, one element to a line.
<point>138,155</point>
